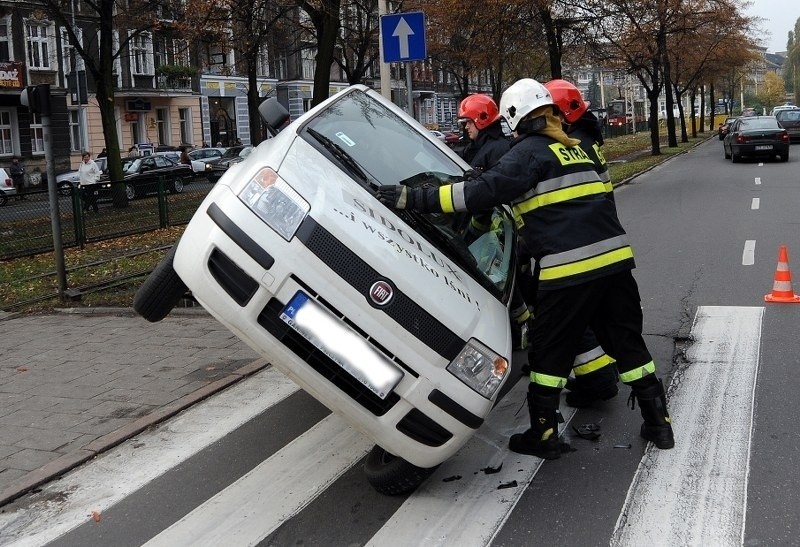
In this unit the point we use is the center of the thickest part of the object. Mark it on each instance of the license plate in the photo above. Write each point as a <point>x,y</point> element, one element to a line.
<point>764,147</point>
<point>344,347</point>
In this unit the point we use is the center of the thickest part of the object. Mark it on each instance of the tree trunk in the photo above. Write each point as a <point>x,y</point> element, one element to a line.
<point>327,26</point>
<point>253,100</point>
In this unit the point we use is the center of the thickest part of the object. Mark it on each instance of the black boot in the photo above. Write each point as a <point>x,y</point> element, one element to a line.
<point>657,427</point>
<point>541,440</point>
<point>587,389</point>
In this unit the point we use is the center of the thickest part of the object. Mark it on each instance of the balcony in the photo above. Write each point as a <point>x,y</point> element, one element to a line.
<point>174,83</point>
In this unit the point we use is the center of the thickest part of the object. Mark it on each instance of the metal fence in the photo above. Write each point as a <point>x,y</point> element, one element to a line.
<point>26,226</point>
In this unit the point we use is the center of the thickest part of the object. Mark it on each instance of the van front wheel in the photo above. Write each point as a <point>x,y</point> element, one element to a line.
<point>391,475</point>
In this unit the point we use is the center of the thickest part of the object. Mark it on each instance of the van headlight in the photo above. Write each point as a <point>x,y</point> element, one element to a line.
<point>480,368</point>
<point>275,202</point>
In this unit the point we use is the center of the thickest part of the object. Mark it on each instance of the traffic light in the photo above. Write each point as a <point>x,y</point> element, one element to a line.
<point>37,99</point>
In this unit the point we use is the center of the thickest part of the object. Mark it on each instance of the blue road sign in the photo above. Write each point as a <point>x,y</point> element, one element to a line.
<point>403,37</point>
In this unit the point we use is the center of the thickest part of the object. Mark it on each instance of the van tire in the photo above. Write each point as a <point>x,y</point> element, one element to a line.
<point>391,475</point>
<point>161,291</point>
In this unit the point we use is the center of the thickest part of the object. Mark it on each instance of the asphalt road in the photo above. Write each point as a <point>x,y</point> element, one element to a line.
<point>275,468</point>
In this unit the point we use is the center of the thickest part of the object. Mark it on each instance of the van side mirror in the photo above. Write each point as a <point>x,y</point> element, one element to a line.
<point>273,113</point>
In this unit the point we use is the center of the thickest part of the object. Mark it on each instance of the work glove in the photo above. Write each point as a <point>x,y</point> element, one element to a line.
<point>396,197</point>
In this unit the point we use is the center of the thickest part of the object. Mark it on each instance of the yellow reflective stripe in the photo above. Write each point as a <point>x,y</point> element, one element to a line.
<point>446,199</point>
<point>558,196</point>
<point>600,155</point>
<point>638,372</point>
<point>569,155</point>
<point>593,365</point>
<point>547,380</point>
<point>524,316</point>
<point>479,226</point>
<point>586,265</point>
<point>609,187</point>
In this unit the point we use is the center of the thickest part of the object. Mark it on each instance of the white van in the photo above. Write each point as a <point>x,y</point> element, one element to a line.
<point>392,319</point>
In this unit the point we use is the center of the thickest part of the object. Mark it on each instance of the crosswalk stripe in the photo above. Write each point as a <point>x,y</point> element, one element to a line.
<point>255,505</point>
<point>696,493</point>
<point>470,510</point>
<point>118,473</point>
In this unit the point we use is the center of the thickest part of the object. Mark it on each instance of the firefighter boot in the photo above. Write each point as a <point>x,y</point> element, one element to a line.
<point>541,440</point>
<point>587,389</point>
<point>653,405</point>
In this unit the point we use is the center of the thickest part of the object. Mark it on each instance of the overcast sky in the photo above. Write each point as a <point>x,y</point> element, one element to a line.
<point>779,18</point>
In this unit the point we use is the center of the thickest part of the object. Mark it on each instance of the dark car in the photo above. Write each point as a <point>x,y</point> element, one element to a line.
<point>142,175</point>
<point>790,121</point>
<point>216,168</point>
<point>724,127</point>
<point>756,136</point>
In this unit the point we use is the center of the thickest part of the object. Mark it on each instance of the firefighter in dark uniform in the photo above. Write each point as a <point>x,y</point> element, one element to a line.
<point>594,374</point>
<point>572,230</point>
<point>480,118</point>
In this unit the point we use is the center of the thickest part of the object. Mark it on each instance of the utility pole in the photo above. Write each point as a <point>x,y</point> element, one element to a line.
<point>386,77</point>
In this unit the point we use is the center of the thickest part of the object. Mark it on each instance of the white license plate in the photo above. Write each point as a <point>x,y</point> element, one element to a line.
<point>345,348</point>
<point>764,147</point>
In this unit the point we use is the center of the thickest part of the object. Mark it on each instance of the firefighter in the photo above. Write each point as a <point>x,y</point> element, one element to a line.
<point>584,258</point>
<point>480,117</point>
<point>594,374</point>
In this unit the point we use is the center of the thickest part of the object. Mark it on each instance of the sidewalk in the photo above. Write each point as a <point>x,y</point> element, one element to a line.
<point>76,383</point>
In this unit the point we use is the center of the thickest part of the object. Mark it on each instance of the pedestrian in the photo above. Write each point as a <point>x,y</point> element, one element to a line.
<point>585,280</point>
<point>238,142</point>
<point>185,159</point>
<point>88,175</point>
<point>102,153</point>
<point>594,376</point>
<point>17,173</point>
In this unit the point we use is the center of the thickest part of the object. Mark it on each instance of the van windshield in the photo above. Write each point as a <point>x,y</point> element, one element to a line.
<point>377,147</point>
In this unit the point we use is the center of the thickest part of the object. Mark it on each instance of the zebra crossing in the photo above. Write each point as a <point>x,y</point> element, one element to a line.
<point>693,494</point>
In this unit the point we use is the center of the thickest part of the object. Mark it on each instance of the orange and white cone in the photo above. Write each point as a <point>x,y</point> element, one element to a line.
<point>782,288</point>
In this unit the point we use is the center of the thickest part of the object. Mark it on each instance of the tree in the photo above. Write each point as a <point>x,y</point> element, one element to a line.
<point>358,40</point>
<point>104,31</point>
<point>772,93</point>
<point>325,19</point>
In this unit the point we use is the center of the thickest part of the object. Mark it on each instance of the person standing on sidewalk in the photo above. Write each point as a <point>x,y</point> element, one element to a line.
<point>17,173</point>
<point>585,280</point>
<point>89,174</point>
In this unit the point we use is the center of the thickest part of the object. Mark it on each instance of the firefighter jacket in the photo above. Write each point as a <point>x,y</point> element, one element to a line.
<point>587,130</point>
<point>487,149</point>
<point>564,218</point>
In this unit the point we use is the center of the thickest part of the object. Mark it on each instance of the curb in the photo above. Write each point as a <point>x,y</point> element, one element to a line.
<point>663,161</point>
<point>67,462</point>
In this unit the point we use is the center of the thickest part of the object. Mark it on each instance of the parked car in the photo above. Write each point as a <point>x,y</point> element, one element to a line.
<point>143,174</point>
<point>438,134</point>
<point>68,181</point>
<point>390,318</point>
<point>790,121</point>
<point>453,137</point>
<point>724,127</point>
<point>6,186</point>
<point>216,168</point>
<point>756,136</point>
<point>200,156</point>
<point>778,109</point>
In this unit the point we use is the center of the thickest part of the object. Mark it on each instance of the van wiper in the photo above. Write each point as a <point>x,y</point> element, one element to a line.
<point>339,153</point>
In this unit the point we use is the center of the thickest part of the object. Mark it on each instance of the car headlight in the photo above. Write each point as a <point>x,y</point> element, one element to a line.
<point>480,368</point>
<point>275,202</point>
<point>209,167</point>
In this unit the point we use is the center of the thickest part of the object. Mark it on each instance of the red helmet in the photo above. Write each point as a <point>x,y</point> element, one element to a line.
<point>481,109</point>
<point>568,99</point>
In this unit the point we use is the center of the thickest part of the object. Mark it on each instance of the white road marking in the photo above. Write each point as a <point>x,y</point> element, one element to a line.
<point>761,164</point>
<point>469,511</point>
<point>275,490</point>
<point>749,253</point>
<point>67,503</point>
<point>758,179</point>
<point>696,493</point>
<point>756,203</point>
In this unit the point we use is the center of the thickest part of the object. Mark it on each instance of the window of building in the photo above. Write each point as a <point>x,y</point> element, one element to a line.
<point>136,132</point>
<point>77,130</point>
<point>6,133</point>
<point>162,125</point>
<point>185,116</point>
<point>171,51</point>
<point>39,42</point>
<point>6,52</point>
<point>37,134</point>
<point>141,48</point>
<point>307,55</point>
<point>262,69</point>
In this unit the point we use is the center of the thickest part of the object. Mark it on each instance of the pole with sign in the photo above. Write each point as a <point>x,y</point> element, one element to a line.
<point>403,41</point>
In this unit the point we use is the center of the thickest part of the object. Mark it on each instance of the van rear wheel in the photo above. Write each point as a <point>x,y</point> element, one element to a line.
<point>391,475</point>
<point>161,291</point>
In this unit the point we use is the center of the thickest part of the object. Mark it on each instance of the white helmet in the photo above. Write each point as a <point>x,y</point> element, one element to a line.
<point>523,97</point>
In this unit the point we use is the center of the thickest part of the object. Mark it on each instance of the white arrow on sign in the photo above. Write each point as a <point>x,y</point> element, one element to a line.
<point>403,31</point>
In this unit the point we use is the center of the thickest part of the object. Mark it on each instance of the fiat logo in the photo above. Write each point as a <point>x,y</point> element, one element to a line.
<point>381,293</point>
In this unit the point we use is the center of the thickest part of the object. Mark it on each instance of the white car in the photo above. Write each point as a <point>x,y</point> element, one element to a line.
<point>7,187</point>
<point>200,156</point>
<point>389,318</point>
<point>438,134</point>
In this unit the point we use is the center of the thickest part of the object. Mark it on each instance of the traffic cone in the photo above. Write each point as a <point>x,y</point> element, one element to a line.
<point>782,288</point>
